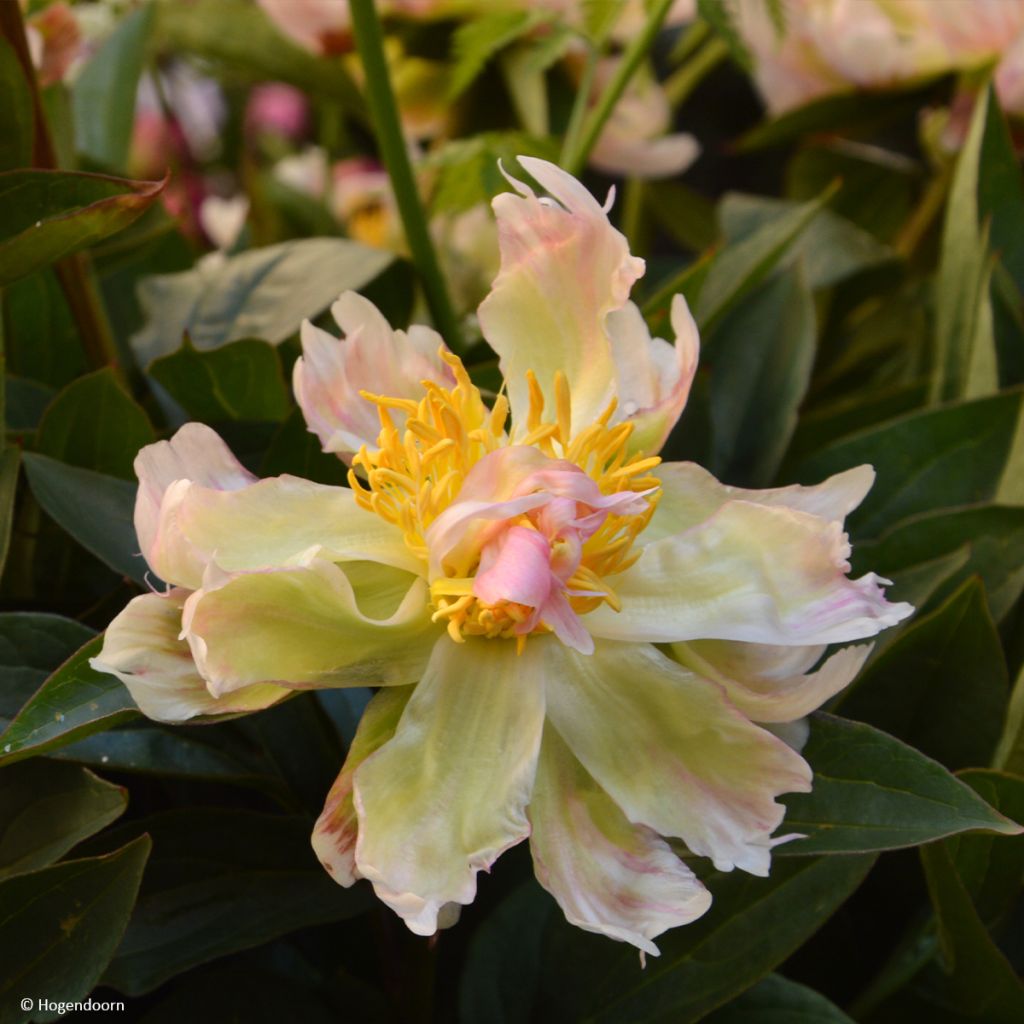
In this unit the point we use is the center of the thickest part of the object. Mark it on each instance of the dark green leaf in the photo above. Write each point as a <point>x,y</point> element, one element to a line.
<point>32,645</point>
<point>753,924</point>
<point>777,1000</point>
<point>831,248</point>
<point>503,963</point>
<point>74,702</point>
<point>263,293</point>
<point>941,458</point>
<point>1001,192</point>
<point>739,268</point>
<point>10,459</point>
<point>45,215</point>
<point>297,451</point>
<point>241,381</point>
<point>95,424</point>
<point>94,508</point>
<point>24,403</point>
<point>980,981</point>
<point>17,124</point>
<point>872,792</point>
<point>476,41</point>
<point>964,341</point>
<point>941,686</point>
<point>683,212</point>
<point>221,881</point>
<point>1010,751</point>
<point>761,365</point>
<point>994,534</point>
<point>46,808</point>
<point>103,93</point>
<point>60,926</point>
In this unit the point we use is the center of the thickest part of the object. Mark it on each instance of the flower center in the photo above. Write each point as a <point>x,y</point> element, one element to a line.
<point>520,534</point>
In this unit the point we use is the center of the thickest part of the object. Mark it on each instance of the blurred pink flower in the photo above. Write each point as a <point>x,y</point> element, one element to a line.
<point>277,109</point>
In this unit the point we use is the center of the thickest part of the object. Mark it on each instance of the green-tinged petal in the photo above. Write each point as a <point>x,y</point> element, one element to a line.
<point>749,572</point>
<point>564,268</point>
<point>353,624</point>
<point>609,876</point>
<point>690,495</point>
<point>769,683</point>
<point>334,835</point>
<point>272,524</point>
<point>141,647</point>
<point>442,799</point>
<point>673,753</point>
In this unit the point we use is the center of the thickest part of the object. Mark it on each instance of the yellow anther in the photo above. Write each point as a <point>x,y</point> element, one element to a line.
<point>536,412</point>
<point>563,408</point>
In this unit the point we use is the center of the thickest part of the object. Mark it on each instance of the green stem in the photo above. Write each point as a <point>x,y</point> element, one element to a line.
<point>633,216</point>
<point>384,112</point>
<point>686,78</point>
<point>635,54</point>
<point>73,272</point>
<point>579,108</point>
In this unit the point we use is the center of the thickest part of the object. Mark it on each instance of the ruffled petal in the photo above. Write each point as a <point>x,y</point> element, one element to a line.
<point>673,753</point>
<point>769,683</point>
<point>334,835</point>
<point>690,495</point>
<point>749,572</point>
<point>331,372</point>
<point>195,453</point>
<point>564,268</point>
<point>272,523</point>
<point>447,795</point>
<point>609,876</point>
<point>353,624</point>
<point>142,648</point>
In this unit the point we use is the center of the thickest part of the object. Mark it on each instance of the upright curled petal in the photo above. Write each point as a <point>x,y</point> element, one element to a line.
<point>142,648</point>
<point>608,875</point>
<point>195,454</point>
<point>673,753</point>
<point>447,795</point>
<point>331,372</point>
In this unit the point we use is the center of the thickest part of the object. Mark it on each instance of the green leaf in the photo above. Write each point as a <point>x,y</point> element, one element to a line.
<point>994,535</point>
<point>94,508</point>
<point>241,38</point>
<point>10,459</point>
<point>255,871</point>
<point>929,460</point>
<point>1001,192</point>
<point>831,248</point>
<point>74,702</point>
<point>739,268</point>
<point>760,368</point>
<point>777,1000</point>
<point>478,40</point>
<point>46,215</point>
<point>503,963</point>
<point>964,342</point>
<point>683,212</point>
<point>992,866</point>
<point>60,926</point>
<point>872,792</point>
<point>241,381</point>
<point>1010,751</point>
<point>17,120</point>
<point>46,808</point>
<point>25,401</point>
<point>103,93</point>
<point>32,645</point>
<point>941,686</point>
<point>980,981</point>
<point>40,337</point>
<point>753,924</point>
<point>264,293</point>
<point>95,424</point>
<point>294,449</point>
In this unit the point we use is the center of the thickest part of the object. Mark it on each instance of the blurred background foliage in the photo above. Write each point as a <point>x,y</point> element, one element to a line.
<point>183,181</point>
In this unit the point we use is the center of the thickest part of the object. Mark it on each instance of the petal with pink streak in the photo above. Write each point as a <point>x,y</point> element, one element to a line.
<point>672,752</point>
<point>334,835</point>
<point>331,372</point>
<point>608,875</point>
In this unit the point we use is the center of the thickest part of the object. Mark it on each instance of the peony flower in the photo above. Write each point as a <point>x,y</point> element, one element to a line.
<point>573,642</point>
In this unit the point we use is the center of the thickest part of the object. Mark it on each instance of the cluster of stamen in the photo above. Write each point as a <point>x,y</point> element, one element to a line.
<point>419,468</point>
